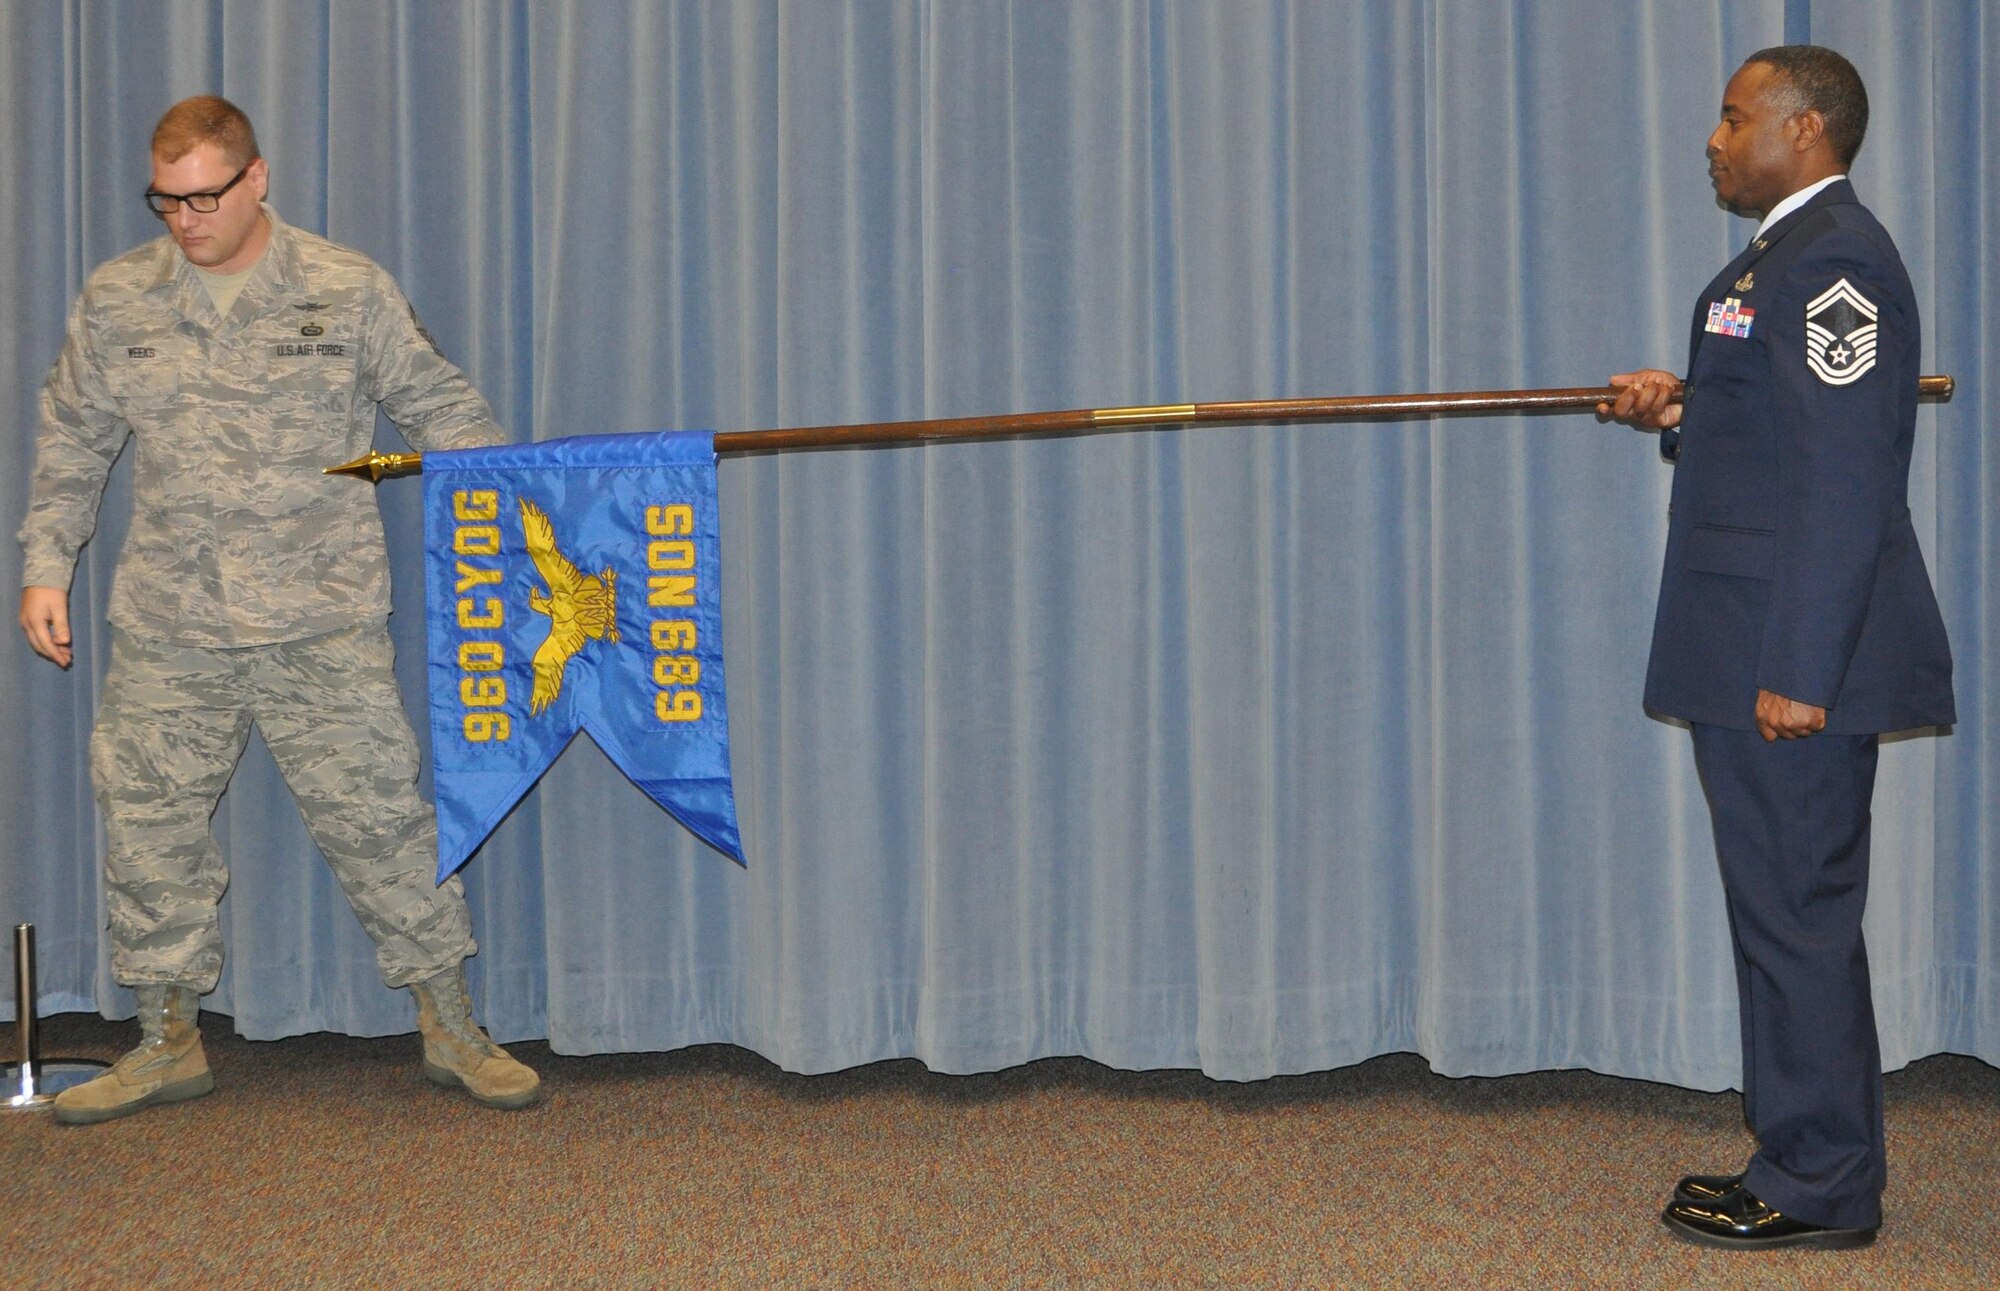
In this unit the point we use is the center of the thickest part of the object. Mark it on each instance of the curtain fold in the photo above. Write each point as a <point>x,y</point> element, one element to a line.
<point>1255,749</point>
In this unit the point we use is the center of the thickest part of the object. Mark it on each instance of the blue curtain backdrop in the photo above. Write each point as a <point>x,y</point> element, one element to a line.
<point>1258,749</point>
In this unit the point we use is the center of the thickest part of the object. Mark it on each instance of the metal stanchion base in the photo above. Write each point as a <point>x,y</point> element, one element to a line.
<point>30,1087</point>
<point>33,1081</point>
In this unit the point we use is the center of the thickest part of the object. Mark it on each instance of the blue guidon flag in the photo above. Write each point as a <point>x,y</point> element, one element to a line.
<point>576,584</point>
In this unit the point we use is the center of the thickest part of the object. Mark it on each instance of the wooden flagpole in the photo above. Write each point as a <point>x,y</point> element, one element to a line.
<point>1076,421</point>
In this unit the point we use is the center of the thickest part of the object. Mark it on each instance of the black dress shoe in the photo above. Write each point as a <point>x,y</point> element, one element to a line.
<point>1706,1187</point>
<point>1740,1222</point>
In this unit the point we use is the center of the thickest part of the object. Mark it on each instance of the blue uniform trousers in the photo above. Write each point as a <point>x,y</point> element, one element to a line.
<point>1791,833</point>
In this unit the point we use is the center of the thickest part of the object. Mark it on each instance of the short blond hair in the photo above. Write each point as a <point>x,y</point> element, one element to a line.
<point>206,118</point>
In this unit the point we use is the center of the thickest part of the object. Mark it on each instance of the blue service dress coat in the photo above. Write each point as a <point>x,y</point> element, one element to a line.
<point>1791,562</point>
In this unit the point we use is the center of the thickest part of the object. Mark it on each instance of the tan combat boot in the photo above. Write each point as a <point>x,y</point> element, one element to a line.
<point>167,1067</point>
<point>457,1052</point>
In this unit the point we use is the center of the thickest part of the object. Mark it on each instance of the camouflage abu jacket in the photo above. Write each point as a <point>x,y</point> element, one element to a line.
<point>237,538</point>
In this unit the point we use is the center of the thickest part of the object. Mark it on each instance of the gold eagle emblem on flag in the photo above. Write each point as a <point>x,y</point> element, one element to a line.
<point>580,608</point>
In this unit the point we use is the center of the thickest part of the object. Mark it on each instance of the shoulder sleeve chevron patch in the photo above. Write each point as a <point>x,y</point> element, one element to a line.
<point>1840,334</point>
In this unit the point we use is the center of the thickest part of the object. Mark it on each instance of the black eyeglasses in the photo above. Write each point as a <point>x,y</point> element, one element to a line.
<point>165,204</point>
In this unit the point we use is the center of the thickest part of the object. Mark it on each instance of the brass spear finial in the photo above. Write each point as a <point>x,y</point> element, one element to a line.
<point>377,467</point>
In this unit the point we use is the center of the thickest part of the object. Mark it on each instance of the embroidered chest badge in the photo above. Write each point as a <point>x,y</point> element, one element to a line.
<point>1840,334</point>
<point>1729,317</point>
<point>312,327</point>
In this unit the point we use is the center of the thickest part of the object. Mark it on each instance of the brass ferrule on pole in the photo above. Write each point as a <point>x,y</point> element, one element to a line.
<point>1156,415</point>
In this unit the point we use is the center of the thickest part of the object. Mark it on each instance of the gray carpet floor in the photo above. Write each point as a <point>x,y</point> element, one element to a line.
<point>326,1161</point>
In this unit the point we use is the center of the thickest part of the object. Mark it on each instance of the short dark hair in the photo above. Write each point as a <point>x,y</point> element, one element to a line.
<point>206,118</point>
<point>1819,80</point>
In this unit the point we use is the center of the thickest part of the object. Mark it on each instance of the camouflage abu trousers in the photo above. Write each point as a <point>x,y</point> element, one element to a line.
<point>173,722</point>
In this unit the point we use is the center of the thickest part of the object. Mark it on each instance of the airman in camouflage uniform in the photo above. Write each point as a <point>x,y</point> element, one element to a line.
<point>242,356</point>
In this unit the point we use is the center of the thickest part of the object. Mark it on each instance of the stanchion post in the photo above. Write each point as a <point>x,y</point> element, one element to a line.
<point>30,1083</point>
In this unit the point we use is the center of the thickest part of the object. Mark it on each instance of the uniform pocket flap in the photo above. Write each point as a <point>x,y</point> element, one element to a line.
<point>1721,549</point>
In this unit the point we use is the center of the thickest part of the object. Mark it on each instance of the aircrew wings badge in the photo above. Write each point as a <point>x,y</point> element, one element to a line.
<point>1840,334</point>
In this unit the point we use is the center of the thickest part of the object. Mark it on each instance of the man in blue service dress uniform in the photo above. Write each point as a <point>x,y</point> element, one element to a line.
<point>1796,623</point>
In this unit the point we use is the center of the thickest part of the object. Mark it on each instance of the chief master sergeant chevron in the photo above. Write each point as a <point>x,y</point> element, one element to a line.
<point>1796,624</point>
<point>242,356</point>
